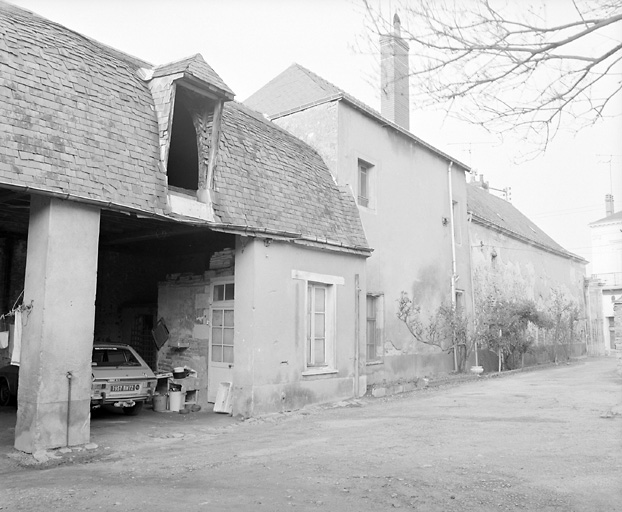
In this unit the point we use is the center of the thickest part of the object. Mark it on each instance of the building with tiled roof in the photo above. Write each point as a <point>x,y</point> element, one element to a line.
<point>411,198</point>
<point>297,89</point>
<point>139,204</point>
<point>100,101</point>
<point>501,215</point>
<point>413,201</point>
<point>513,259</point>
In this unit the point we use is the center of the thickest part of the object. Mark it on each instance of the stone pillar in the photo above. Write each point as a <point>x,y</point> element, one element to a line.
<point>61,278</point>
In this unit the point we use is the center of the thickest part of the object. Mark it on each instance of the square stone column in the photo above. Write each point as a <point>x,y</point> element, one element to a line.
<point>55,368</point>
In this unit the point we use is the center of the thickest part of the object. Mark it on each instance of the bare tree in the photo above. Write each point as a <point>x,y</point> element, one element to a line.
<point>527,66</point>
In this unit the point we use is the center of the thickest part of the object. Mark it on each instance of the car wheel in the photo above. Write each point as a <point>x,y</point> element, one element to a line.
<point>134,410</point>
<point>5,393</point>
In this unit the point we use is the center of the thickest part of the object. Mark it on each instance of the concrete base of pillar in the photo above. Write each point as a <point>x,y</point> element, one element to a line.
<point>34,437</point>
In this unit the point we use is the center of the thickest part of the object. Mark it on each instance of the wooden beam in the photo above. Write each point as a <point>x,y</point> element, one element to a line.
<point>214,144</point>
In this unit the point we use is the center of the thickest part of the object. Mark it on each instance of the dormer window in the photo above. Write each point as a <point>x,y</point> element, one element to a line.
<point>183,156</point>
<point>188,99</point>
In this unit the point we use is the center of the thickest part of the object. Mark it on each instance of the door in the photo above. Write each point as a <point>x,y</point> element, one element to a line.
<point>221,348</point>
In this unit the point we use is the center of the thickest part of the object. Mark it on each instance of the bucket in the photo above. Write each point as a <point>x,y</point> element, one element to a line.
<point>179,373</point>
<point>159,403</point>
<point>175,399</point>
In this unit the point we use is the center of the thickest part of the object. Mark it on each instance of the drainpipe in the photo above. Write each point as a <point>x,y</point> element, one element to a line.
<point>357,308</point>
<point>69,377</point>
<point>453,256</point>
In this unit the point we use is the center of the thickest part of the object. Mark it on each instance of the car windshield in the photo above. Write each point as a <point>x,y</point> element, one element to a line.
<point>113,356</point>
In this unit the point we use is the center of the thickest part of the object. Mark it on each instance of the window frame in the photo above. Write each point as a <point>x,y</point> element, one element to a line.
<point>378,306</point>
<point>460,301</point>
<point>329,283</point>
<point>366,200</point>
<point>222,305</point>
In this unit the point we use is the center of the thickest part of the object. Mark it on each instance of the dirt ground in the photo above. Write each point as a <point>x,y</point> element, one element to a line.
<point>544,440</point>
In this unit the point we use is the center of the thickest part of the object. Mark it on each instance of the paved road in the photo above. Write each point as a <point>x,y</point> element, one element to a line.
<point>545,440</point>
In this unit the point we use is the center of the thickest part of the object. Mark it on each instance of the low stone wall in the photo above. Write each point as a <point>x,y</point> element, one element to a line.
<point>541,356</point>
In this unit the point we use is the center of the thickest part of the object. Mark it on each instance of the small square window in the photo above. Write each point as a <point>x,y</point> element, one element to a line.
<point>364,183</point>
<point>224,292</point>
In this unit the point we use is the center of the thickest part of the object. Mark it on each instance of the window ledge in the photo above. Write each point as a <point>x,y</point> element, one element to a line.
<point>374,363</point>
<point>189,206</point>
<point>319,371</point>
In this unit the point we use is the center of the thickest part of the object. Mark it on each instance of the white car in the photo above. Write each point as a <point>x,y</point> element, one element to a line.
<point>120,378</point>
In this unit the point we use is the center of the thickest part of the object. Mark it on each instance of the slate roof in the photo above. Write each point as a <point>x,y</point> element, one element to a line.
<point>297,89</point>
<point>77,120</point>
<point>613,218</point>
<point>294,88</point>
<point>490,210</point>
<point>267,177</point>
<point>197,67</point>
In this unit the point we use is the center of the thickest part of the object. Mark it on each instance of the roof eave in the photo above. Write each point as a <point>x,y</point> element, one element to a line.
<point>374,115</point>
<point>489,224</point>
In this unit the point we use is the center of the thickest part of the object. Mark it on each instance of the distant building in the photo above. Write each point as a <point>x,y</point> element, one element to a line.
<point>606,234</point>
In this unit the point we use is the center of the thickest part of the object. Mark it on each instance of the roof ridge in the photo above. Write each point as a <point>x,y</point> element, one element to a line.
<point>331,92</point>
<point>321,81</point>
<point>188,59</point>
<point>614,217</point>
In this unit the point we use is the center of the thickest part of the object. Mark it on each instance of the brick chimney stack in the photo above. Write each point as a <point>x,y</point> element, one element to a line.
<point>394,74</point>
<point>609,204</point>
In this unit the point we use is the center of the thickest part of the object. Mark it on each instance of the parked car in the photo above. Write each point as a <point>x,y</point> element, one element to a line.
<point>8,384</point>
<point>120,378</point>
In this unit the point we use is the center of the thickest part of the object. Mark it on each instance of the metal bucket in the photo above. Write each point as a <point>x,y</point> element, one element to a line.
<point>159,403</point>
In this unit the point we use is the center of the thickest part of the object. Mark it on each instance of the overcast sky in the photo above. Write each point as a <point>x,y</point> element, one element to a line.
<point>248,42</point>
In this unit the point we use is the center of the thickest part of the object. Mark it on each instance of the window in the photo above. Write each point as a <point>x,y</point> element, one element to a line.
<point>316,324</point>
<point>320,320</point>
<point>460,302</point>
<point>111,356</point>
<point>364,183</point>
<point>223,323</point>
<point>374,328</point>
<point>224,292</point>
<point>372,338</point>
<point>183,156</point>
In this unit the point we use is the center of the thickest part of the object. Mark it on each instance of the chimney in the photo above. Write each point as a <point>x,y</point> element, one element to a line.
<point>394,71</point>
<point>480,183</point>
<point>609,204</point>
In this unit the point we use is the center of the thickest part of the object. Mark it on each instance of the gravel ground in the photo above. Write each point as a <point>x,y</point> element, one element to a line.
<point>546,440</point>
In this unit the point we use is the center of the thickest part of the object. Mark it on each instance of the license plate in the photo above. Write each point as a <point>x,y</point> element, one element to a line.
<point>125,387</point>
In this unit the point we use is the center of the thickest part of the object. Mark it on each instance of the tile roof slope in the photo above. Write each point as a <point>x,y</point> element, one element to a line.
<point>267,177</point>
<point>297,88</point>
<point>74,116</point>
<point>614,217</point>
<point>76,120</point>
<point>504,215</point>
<point>196,66</point>
<point>293,88</point>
